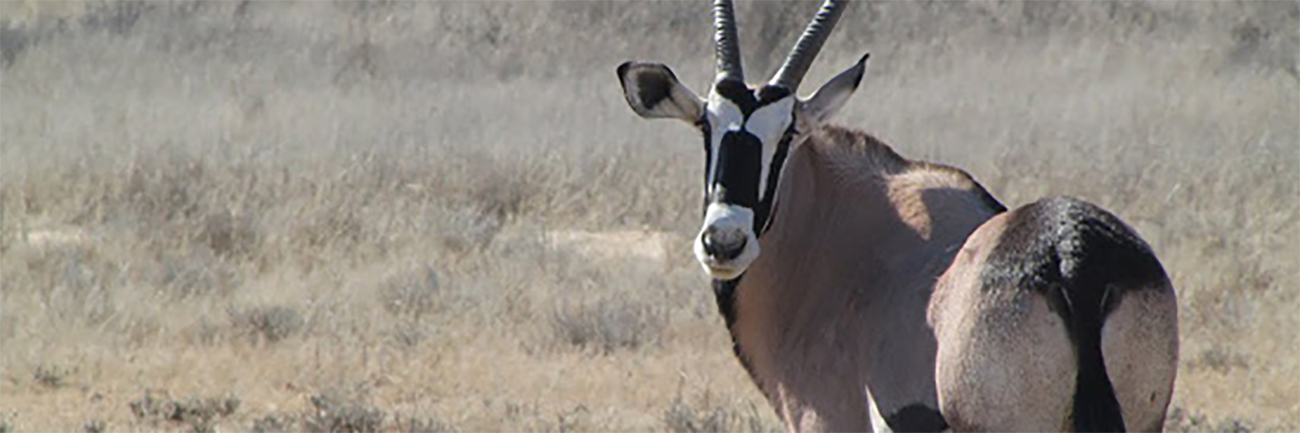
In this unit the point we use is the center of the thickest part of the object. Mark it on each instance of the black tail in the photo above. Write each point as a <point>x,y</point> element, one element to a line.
<point>1095,407</point>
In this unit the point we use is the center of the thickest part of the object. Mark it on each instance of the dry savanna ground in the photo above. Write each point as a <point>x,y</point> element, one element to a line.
<point>441,216</point>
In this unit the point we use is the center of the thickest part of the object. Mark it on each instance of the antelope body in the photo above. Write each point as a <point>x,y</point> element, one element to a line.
<point>825,247</point>
<point>835,304</point>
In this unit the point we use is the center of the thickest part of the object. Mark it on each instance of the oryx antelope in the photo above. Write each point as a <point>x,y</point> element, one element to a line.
<point>824,244</point>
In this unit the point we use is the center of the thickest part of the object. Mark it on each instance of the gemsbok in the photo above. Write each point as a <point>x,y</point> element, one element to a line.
<point>830,319</point>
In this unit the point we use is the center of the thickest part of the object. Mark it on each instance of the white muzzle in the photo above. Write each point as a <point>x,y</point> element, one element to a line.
<point>726,245</point>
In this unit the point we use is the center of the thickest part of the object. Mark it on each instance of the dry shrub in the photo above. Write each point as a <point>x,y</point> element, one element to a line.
<point>334,412</point>
<point>198,274</point>
<point>1184,421</point>
<point>1219,359</point>
<point>414,294</point>
<point>411,424</point>
<point>266,323</point>
<point>199,413</point>
<point>274,423</point>
<point>79,284</point>
<point>413,297</point>
<point>531,417</point>
<point>705,415</point>
<point>206,332</point>
<point>178,200</point>
<point>609,325</point>
<point>409,334</point>
<point>52,376</point>
<point>469,229</point>
<point>94,426</point>
<point>229,235</point>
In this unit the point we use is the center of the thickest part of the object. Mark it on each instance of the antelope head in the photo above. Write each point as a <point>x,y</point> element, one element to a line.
<point>748,130</point>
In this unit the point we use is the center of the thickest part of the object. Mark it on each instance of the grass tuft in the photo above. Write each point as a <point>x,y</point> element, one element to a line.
<point>268,324</point>
<point>704,415</point>
<point>411,424</point>
<point>274,423</point>
<point>94,426</point>
<point>200,414</point>
<point>414,295</point>
<point>52,376</point>
<point>333,413</point>
<point>1184,421</point>
<point>609,325</point>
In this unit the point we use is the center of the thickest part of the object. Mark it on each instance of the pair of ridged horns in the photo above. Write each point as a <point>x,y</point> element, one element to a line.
<point>727,43</point>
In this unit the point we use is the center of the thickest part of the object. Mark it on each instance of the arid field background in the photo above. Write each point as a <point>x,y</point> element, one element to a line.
<point>441,216</point>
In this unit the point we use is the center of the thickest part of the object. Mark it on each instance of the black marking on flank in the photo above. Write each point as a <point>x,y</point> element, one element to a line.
<point>916,417</point>
<point>1082,259</point>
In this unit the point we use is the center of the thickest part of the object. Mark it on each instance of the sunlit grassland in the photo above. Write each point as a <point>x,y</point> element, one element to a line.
<point>442,216</point>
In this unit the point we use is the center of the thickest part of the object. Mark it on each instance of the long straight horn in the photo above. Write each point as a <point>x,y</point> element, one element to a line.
<point>801,58</point>
<point>726,41</point>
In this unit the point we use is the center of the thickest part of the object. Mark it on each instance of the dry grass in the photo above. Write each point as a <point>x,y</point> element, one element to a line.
<point>409,216</point>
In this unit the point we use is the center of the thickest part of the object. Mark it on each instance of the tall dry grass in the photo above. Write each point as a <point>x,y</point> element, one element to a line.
<point>269,216</point>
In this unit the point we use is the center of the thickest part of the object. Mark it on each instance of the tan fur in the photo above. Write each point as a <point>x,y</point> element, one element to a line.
<point>1005,361</point>
<point>984,373</point>
<point>1141,358</point>
<point>837,299</point>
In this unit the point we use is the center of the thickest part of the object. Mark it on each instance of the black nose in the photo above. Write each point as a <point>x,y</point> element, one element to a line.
<point>723,247</point>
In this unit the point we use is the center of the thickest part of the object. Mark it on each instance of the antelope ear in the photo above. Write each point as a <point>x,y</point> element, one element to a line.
<point>653,92</point>
<point>831,96</point>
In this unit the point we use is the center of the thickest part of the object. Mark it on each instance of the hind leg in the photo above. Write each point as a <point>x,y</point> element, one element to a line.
<point>1008,366</point>
<point>1140,344</point>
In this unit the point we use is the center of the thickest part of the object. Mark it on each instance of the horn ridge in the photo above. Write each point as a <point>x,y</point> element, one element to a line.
<point>809,44</point>
<point>726,41</point>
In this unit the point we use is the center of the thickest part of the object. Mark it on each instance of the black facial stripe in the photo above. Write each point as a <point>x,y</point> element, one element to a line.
<point>741,155</point>
<point>708,156</point>
<point>740,158</point>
